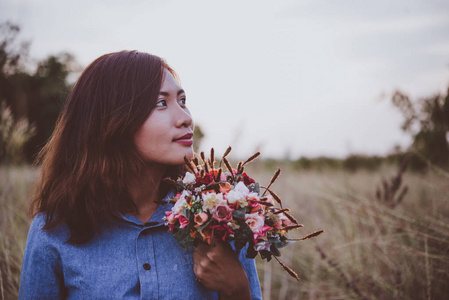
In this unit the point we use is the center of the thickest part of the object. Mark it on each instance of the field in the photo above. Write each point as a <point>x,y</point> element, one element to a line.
<point>371,248</point>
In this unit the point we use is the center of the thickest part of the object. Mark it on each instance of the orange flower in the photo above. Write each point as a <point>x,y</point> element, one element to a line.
<point>225,187</point>
<point>206,234</point>
<point>200,218</point>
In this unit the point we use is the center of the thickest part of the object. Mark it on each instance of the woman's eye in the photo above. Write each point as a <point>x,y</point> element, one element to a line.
<point>161,103</point>
<point>183,101</point>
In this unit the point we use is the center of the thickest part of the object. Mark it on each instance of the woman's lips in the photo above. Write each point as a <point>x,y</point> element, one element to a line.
<point>185,139</point>
<point>187,142</point>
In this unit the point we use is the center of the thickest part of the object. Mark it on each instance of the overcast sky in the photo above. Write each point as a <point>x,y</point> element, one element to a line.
<point>290,77</point>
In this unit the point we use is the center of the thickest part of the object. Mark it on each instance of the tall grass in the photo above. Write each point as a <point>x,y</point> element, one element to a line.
<point>369,250</point>
<point>15,185</point>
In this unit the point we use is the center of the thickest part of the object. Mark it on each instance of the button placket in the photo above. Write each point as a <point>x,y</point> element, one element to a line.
<point>145,260</point>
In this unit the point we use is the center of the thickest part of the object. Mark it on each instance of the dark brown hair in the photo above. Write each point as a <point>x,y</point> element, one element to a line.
<point>91,156</point>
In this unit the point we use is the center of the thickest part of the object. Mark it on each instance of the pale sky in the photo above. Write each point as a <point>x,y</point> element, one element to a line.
<point>287,77</point>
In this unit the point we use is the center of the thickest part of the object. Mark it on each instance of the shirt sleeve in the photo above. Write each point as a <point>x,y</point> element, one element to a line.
<point>249,264</point>
<point>41,276</point>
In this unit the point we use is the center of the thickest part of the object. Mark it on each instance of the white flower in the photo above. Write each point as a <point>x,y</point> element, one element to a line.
<point>189,178</point>
<point>186,193</point>
<point>233,196</point>
<point>211,200</point>
<point>181,203</point>
<point>262,245</point>
<point>241,187</point>
<point>254,196</point>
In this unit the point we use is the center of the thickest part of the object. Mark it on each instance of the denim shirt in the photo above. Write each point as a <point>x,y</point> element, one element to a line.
<point>128,260</point>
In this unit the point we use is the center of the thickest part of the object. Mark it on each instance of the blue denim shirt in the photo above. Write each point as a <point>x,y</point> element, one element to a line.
<point>129,260</point>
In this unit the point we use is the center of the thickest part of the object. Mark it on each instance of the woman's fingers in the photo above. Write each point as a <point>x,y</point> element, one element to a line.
<point>218,268</point>
<point>216,252</point>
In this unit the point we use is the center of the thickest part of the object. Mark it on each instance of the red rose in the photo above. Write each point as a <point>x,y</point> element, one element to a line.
<point>220,232</point>
<point>206,179</point>
<point>247,180</point>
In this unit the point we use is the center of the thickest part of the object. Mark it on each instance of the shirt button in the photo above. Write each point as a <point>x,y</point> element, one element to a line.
<point>146,266</point>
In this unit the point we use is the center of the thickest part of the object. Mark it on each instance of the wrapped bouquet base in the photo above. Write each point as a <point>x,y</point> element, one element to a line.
<point>213,204</point>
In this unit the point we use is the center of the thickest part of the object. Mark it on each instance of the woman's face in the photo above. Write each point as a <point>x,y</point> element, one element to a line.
<point>166,135</point>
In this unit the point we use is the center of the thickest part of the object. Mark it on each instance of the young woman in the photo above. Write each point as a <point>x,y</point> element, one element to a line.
<point>98,231</point>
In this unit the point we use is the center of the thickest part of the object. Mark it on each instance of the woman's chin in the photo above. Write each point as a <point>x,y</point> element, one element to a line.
<point>188,155</point>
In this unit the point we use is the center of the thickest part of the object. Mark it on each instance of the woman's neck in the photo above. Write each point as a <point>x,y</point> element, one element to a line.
<point>145,190</point>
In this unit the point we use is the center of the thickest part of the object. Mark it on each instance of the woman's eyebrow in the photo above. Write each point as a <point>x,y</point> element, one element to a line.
<point>167,93</point>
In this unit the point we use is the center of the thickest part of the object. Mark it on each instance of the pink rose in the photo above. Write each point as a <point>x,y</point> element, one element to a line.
<point>171,219</point>
<point>254,221</point>
<point>183,221</point>
<point>223,213</point>
<point>261,234</point>
<point>200,218</point>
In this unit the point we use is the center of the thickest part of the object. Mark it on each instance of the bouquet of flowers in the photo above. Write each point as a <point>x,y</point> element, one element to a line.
<point>215,205</point>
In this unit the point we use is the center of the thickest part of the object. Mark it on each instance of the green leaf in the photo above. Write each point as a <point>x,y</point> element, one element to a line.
<point>251,252</point>
<point>239,214</point>
<point>183,237</point>
<point>254,187</point>
<point>274,239</point>
<point>204,225</point>
<point>239,244</point>
<point>265,254</point>
<point>283,244</point>
<point>244,233</point>
<point>186,213</point>
<point>275,251</point>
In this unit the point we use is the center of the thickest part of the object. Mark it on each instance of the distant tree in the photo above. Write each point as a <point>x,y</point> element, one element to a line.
<point>46,93</point>
<point>12,53</point>
<point>427,120</point>
<point>12,69</point>
<point>37,95</point>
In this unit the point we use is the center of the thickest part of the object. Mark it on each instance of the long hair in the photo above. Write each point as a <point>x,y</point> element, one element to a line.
<point>91,156</point>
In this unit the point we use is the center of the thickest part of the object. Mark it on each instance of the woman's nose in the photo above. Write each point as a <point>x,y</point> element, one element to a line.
<point>183,118</point>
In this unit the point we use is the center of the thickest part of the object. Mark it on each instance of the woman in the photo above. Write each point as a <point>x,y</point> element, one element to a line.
<point>98,232</point>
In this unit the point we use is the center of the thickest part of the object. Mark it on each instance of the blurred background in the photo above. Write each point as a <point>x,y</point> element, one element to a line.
<point>349,98</point>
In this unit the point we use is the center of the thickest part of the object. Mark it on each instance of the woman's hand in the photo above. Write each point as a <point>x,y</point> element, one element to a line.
<point>218,268</point>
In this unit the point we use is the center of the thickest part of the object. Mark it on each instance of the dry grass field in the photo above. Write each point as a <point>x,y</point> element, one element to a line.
<point>370,249</point>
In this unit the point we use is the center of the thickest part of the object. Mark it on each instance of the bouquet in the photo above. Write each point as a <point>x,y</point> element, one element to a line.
<point>215,205</point>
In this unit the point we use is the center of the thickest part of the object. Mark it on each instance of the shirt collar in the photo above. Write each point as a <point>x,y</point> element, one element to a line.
<point>157,217</point>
